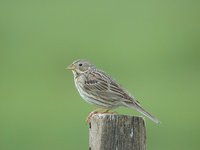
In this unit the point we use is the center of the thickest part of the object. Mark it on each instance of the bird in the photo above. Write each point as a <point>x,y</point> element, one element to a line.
<point>100,89</point>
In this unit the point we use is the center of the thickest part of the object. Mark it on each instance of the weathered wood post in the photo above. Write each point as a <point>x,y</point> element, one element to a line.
<point>117,132</point>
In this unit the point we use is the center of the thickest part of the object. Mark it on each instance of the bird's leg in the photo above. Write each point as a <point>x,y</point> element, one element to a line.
<point>107,111</point>
<point>92,113</point>
<point>98,110</point>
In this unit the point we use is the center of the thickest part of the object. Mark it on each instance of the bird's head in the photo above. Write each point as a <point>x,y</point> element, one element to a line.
<point>80,66</point>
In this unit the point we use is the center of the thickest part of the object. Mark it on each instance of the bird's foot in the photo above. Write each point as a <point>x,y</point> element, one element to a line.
<point>107,111</point>
<point>92,113</point>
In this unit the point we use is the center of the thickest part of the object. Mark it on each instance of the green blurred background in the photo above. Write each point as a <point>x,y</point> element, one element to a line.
<point>151,47</point>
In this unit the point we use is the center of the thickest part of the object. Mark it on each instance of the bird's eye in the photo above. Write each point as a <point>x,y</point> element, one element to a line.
<point>80,64</point>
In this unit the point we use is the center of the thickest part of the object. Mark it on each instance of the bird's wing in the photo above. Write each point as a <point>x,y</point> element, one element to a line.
<point>95,81</point>
<point>104,86</point>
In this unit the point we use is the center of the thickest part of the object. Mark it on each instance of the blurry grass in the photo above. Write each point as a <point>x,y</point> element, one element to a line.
<point>151,48</point>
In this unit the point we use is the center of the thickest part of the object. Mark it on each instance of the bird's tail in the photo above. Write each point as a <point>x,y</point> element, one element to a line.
<point>142,110</point>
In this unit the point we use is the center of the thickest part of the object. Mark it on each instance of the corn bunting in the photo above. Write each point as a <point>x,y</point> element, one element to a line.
<point>98,88</point>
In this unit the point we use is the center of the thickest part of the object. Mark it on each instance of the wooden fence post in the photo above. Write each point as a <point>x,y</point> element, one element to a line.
<point>116,132</point>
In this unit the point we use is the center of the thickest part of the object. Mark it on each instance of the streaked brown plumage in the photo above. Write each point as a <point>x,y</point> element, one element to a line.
<point>98,88</point>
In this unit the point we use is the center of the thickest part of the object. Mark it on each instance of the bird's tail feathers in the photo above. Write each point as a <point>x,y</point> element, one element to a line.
<point>142,110</point>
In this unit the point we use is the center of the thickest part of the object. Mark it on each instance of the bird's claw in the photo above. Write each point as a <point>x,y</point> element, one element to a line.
<point>90,115</point>
<point>96,111</point>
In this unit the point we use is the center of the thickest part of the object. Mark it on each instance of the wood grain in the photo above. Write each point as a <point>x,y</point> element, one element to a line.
<point>117,132</point>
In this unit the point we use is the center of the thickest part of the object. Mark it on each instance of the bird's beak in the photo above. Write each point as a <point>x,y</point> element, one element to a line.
<point>71,67</point>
